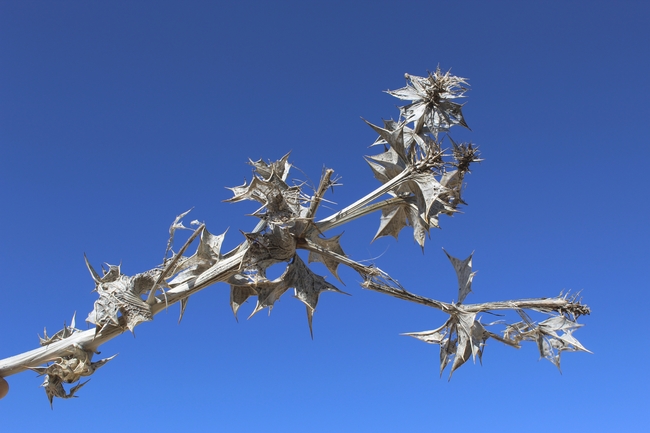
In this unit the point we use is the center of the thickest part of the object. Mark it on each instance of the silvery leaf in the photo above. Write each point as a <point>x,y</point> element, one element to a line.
<point>239,295</point>
<point>177,224</point>
<point>331,244</point>
<point>308,286</point>
<point>464,323</point>
<point>393,220</point>
<point>435,336</point>
<point>265,169</point>
<point>430,188</point>
<point>269,291</point>
<point>394,138</point>
<point>464,273</point>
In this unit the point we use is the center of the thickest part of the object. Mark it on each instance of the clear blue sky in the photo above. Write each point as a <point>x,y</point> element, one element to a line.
<point>117,116</point>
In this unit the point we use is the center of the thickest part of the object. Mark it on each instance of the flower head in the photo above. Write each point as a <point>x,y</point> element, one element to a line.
<point>432,104</point>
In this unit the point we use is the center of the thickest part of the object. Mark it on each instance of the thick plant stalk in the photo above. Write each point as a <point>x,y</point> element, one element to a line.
<point>91,340</point>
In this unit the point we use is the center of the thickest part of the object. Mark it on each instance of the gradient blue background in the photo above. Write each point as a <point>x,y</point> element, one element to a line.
<point>117,116</point>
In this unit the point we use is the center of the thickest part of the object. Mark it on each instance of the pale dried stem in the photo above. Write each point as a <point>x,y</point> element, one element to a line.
<point>407,296</point>
<point>559,304</point>
<point>151,298</point>
<point>351,212</point>
<point>90,340</point>
<point>359,212</point>
<point>320,192</point>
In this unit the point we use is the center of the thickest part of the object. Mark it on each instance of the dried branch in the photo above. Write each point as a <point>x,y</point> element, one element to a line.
<point>420,180</point>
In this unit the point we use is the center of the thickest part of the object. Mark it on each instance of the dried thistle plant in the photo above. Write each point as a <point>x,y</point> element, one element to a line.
<point>421,178</point>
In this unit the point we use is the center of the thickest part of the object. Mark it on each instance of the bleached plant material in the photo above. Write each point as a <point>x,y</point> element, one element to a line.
<point>421,178</point>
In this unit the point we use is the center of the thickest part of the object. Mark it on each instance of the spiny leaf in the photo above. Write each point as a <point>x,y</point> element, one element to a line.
<point>386,166</point>
<point>464,273</point>
<point>331,244</point>
<point>238,295</point>
<point>394,138</point>
<point>395,218</point>
<point>92,271</point>
<point>435,336</point>
<point>308,286</point>
<point>269,291</point>
<point>269,247</point>
<point>119,294</point>
<point>60,335</point>
<point>265,169</point>
<point>432,103</point>
<point>182,309</point>
<point>176,225</point>
<point>282,202</point>
<point>68,369</point>
<point>464,322</point>
<point>207,254</point>
<point>430,189</point>
<point>479,336</point>
<point>54,388</point>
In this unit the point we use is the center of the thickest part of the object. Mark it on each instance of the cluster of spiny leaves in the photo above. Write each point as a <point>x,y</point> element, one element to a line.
<point>423,178</point>
<point>287,224</point>
<point>70,368</point>
<point>463,335</point>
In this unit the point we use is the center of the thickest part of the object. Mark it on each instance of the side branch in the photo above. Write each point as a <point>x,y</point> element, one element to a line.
<point>561,305</point>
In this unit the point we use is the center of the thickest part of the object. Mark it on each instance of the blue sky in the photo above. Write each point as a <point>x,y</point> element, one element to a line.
<point>117,116</point>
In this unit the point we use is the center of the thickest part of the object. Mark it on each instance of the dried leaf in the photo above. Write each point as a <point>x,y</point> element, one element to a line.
<point>460,337</point>
<point>393,220</point>
<point>430,189</point>
<point>265,169</point>
<point>269,291</point>
<point>177,224</point>
<point>394,138</point>
<point>432,104</point>
<point>435,336</point>
<point>133,309</point>
<point>307,287</point>
<point>386,166</point>
<point>143,282</point>
<point>207,254</point>
<point>269,247</point>
<point>331,244</point>
<point>69,369</point>
<point>420,189</point>
<point>60,335</point>
<point>549,343</point>
<point>92,271</point>
<point>464,273</point>
<point>282,202</point>
<point>479,336</point>
<point>464,323</point>
<point>120,294</point>
<point>209,248</point>
<point>54,388</point>
<point>239,295</point>
<point>182,311</point>
<point>447,350</point>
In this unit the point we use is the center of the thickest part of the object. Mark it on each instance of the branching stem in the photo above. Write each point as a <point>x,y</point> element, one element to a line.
<point>351,212</point>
